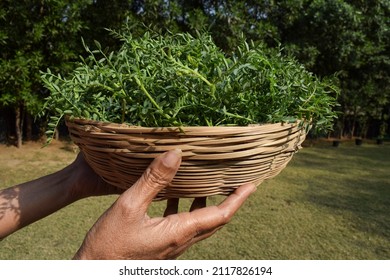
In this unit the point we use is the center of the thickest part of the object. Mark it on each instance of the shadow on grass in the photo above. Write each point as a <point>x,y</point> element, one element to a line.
<point>352,182</point>
<point>366,203</point>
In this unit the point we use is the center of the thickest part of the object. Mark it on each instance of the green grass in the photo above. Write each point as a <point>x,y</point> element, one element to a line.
<point>329,203</point>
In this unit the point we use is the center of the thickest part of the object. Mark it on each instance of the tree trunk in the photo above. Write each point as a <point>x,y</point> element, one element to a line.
<point>354,123</point>
<point>28,120</point>
<point>18,127</point>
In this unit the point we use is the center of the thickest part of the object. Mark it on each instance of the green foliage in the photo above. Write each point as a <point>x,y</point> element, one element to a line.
<point>33,36</point>
<point>181,80</point>
<point>348,37</point>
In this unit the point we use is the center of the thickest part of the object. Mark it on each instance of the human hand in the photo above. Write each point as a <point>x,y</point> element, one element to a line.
<point>125,231</point>
<point>87,183</point>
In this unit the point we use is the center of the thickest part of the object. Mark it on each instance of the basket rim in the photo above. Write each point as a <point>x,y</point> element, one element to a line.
<point>119,153</point>
<point>108,126</point>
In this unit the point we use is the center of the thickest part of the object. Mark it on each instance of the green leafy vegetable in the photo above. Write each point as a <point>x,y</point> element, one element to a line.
<point>181,80</point>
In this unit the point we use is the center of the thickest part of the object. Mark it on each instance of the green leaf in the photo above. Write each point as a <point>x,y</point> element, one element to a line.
<point>172,79</point>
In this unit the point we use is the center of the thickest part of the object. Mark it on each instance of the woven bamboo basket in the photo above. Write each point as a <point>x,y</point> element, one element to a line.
<point>216,160</point>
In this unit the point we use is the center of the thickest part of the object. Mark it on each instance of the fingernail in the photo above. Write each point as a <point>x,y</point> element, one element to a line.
<point>171,158</point>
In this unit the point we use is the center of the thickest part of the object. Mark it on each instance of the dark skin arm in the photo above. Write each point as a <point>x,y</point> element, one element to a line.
<point>26,203</point>
<point>124,231</point>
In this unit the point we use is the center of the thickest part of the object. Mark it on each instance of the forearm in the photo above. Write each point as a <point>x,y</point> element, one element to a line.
<point>26,203</point>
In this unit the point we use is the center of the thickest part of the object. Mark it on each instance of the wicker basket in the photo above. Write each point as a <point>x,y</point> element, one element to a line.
<point>216,160</point>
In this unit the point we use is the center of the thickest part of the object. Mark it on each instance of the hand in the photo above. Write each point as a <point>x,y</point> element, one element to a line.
<point>87,182</point>
<point>125,231</point>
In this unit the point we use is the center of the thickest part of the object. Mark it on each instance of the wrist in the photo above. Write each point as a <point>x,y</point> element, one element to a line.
<point>85,182</point>
<point>81,180</point>
<point>72,182</point>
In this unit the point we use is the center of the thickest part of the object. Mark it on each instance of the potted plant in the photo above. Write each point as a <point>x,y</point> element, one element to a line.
<point>163,84</point>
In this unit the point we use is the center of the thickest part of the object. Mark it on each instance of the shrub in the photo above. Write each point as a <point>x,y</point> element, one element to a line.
<point>185,80</point>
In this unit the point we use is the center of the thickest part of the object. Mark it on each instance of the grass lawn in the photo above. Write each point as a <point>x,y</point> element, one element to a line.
<point>329,203</point>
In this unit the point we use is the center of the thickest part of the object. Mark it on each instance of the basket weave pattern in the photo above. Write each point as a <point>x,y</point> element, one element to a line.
<point>216,160</point>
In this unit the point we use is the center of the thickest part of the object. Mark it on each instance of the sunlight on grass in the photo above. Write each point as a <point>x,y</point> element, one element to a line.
<point>329,203</point>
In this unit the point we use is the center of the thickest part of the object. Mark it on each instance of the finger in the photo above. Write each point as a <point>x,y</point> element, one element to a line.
<point>209,218</point>
<point>155,178</point>
<point>182,248</point>
<point>172,206</point>
<point>204,222</point>
<point>112,190</point>
<point>198,203</point>
<point>234,201</point>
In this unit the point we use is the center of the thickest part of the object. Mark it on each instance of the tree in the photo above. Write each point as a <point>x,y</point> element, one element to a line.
<point>34,35</point>
<point>350,38</point>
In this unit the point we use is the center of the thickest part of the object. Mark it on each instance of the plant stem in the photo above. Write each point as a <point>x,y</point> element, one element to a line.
<point>139,83</point>
<point>123,110</point>
<point>147,94</point>
<point>187,70</point>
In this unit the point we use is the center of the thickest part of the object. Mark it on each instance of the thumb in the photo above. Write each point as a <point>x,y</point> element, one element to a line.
<point>155,178</point>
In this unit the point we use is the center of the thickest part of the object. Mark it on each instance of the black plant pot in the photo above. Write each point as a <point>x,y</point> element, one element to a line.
<point>336,143</point>
<point>358,141</point>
